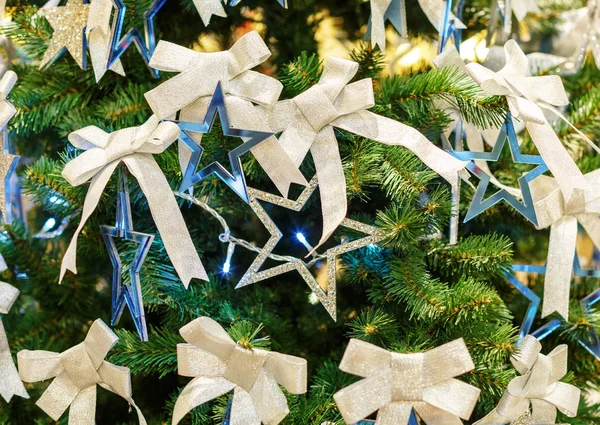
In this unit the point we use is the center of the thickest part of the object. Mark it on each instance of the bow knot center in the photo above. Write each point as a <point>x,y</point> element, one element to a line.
<point>407,377</point>
<point>317,107</point>
<point>244,366</point>
<point>78,365</point>
<point>120,144</point>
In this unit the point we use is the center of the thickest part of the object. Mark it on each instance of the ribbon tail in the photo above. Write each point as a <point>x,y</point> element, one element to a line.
<point>198,392</point>
<point>493,418</point>
<point>10,384</point>
<point>83,408</point>
<point>394,414</point>
<point>242,409</point>
<point>117,379</point>
<point>58,397</point>
<point>543,412</point>
<point>167,216</point>
<point>268,399</point>
<point>378,9</point>
<point>359,400</point>
<point>561,252</point>
<point>208,8</point>
<point>92,198</point>
<point>431,415</point>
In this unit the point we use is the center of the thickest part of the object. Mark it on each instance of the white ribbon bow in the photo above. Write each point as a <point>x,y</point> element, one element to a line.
<point>7,110</point>
<point>99,36</point>
<point>527,97</point>
<point>76,372</point>
<point>562,216</point>
<point>537,389</point>
<point>10,383</point>
<point>191,91</point>
<point>308,121</point>
<point>218,365</point>
<point>396,383</point>
<point>134,146</point>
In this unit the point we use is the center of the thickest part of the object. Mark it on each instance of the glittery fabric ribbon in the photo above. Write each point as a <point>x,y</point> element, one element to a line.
<point>378,11</point>
<point>135,147</point>
<point>208,8</point>
<point>538,388</point>
<point>527,99</point>
<point>434,10</point>
<point>7,110</point>
<point>10,383</point>
<point>191,91</point>
<point>522,7</point>
<point>76,372</point>
<point>562,216</point>
<point>218,365</point>
<point>396,383</point>
<point>98,34</point>
<point>308,123</point>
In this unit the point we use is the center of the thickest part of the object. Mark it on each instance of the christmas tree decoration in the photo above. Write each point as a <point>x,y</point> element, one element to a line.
<point>208,8</point>
<point>7,110</point>
<point>527,99</point>
<point>308,122</point>
<point>129,295</point>
<point>191,93</point>
<point>135,147</point>
<point>99,38</point>
<point>77,371</point>
<point>251,138</point>
<point>562,215</point>
<point>503,10</point>
<point>283,3</point>
<point>381,12</point>
<point>394,384</point>
<point>69,23</point>
<point>479,204</point>
<point>255,274</point>
<point>578,36</point>
<point>538,392</point>
<point>8,165</point>
<point>534,303</point>
<point>219,365</point>
<point>119,45</point>
<point>10,384</point>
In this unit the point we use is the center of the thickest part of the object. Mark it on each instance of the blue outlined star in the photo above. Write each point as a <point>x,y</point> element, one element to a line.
<point>534,304</point>
<point>478,204</point>
<point>235,180</point>
<point>130,294</point>
<point>145,45</point>
<point>592,344</point>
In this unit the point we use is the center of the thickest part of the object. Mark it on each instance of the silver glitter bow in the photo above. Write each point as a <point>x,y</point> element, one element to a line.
<point>537,389</point>
<point>98,35</point>
<point>191,91</point>
<point>10,383</point>
<point>135,147</point>
<point>308,121</point>
<point>76,372</point>
<point>527,99</point>
<point>218,365</point>
<point>562,216</point>
<point>396,383</point>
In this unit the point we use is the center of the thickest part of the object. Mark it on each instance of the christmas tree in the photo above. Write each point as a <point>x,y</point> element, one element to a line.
<point>298,273</point>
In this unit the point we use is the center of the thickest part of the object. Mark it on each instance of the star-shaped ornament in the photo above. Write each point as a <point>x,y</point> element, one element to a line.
<point>130,294</point>
<point>326,296</point>
<point>236,179</point>
<point>8,164</point>
<point>479,204</point>
<point>283,3</point>
<point>69,22</point>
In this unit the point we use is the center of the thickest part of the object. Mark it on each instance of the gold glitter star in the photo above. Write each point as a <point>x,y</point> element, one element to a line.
<point>327,296</point>
<point>8,164</point>
<point>69,22</point>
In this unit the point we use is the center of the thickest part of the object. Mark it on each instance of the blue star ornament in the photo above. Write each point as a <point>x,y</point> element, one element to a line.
<point>145,44</point>
<point>130,294</point>
<point>236,179</point>
<point>534,303</point>
<point>283,3</point>
<point>396,14</point>
<point>478,204</point>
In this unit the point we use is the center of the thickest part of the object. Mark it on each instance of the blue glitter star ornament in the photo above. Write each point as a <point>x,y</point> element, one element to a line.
<point>145,45</point>
<point>129,295</point>
<point>235,180</point>
<point>478,204</point>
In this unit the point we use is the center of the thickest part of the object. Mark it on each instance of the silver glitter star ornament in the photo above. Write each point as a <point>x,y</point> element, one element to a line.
<point>327,297</point>
<point>69,23</point>
<point>8,164</point>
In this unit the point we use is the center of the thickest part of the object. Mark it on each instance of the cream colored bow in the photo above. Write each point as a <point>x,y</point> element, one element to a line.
<point>308,120</point>
<point>396,383</point>
<point>76,372</point>
<point>134,146</point>
<point>218,365</point>
<point>562,216</point>
<point>191,91</point>
<point>537,389</point>
<point>99,38</point>
<point>527,97</point>
<point>10,383</point>
<point>7,110</point>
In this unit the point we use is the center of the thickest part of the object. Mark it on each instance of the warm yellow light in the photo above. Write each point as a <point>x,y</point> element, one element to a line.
<point>474,48</point>
<point>412,57</point>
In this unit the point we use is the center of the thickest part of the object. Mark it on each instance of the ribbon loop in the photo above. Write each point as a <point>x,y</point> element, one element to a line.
<point>538,388</point>
<point>254,375</point>
<point>77,371</point>
<point>395,383</point>
<point>134,146</point>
